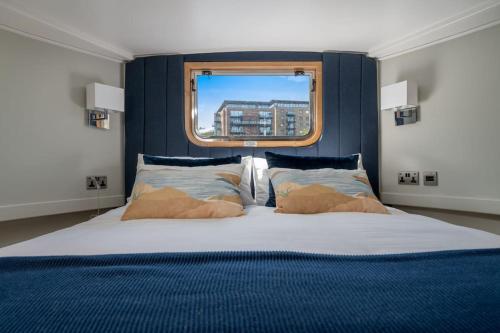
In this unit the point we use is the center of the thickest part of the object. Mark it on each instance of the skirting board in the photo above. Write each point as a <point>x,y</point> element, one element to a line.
<point>32,209</point>
<point>465,204</point>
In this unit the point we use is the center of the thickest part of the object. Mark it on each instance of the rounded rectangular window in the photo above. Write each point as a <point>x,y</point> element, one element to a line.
<point>235,104</point>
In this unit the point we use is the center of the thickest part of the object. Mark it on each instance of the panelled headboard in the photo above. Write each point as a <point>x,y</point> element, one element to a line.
<point>154,108</point>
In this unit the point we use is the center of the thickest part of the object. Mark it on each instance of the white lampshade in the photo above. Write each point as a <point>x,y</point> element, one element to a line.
<point>101,97</point>
<point>401,95</point>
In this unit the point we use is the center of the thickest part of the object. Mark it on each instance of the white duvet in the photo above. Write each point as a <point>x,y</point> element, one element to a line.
<point>260,230</point>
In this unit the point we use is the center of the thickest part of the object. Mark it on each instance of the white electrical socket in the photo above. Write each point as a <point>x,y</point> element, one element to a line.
<point>97,182</point>
<point>408,178</point>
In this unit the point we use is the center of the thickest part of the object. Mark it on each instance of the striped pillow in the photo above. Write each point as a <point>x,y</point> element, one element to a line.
<point>323,190</point>
<point>186,192</point>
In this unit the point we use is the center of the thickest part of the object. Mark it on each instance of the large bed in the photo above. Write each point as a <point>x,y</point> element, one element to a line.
<point>261,272</point>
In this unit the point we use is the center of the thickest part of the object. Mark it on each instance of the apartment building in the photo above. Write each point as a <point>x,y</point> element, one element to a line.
<point>258,118</point>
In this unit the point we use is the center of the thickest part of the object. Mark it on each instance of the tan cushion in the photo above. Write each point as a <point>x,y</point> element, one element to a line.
<point>323,190</point>
<point>186,193</point>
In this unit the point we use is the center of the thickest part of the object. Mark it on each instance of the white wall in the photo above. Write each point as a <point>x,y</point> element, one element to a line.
<point>46,149</point>
<point>459,131</point>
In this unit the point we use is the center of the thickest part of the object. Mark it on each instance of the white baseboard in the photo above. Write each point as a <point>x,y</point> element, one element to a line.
<point>32,209</point>
<point>466,204</point>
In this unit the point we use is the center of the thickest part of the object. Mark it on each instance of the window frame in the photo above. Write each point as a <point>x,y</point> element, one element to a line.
<point>191,69</point>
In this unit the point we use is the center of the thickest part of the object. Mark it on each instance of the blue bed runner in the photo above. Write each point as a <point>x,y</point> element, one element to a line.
<point>451,291</point>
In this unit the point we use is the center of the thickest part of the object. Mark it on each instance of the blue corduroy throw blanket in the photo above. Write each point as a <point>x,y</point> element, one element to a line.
<point>451,291</point>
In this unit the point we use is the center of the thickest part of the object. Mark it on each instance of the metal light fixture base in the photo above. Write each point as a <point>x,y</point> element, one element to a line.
<point>99,119</point>
<point>406,116</point>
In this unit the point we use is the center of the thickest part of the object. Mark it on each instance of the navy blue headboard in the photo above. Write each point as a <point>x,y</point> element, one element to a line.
<point>154,108</point>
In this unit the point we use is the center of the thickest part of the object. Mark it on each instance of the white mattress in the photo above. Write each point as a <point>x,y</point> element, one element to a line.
<point>260,230</point>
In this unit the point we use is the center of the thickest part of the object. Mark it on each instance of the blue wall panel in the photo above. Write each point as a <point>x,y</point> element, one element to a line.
<point>243,151</point>
<point>329,144</point>
<point>197,151</point>
<point>154,114</point>
<point>350,104</point>
<point>255,56</point>
<point>220,152</point>
<point>134,119</point>
<point>369,121</point>
<point>155,104</point>
<point>177,142</point>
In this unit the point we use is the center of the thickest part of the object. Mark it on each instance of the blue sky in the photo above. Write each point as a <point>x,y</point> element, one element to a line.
<point>214,89</point>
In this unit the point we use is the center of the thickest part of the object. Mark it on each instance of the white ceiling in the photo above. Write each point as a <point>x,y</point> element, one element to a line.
<point>122,29</point>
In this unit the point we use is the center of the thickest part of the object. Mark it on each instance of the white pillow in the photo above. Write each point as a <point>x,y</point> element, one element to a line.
<point>246,180</point>
<point>246,176</point>
<point>261,181</point>
<point>360,161</point>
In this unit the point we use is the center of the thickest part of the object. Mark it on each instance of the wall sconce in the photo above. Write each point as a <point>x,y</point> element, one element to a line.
<point>101,99</point>
<point>402,98</point>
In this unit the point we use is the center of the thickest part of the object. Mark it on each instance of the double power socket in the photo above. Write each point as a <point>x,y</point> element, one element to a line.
<point>97,182</point>
<point>412,178</point>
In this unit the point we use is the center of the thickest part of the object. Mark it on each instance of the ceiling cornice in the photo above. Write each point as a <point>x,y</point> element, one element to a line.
<point>482,16</point>
<point>21,22</point>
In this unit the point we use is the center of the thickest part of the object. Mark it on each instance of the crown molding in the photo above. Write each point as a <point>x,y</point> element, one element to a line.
<point>26,24</point>
<point>485,14</point>
<point>482,16</point>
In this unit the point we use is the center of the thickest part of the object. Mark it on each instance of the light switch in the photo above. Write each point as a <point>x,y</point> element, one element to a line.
<point>430,178</point>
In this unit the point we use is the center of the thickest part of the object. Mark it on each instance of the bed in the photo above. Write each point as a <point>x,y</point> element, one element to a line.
<point>262,272</point>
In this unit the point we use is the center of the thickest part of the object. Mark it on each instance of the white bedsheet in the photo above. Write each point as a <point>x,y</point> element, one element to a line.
<point>259,230</point>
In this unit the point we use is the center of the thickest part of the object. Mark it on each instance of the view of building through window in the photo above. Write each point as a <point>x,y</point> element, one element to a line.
<point>253,105</point>
<point>275,117</point>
